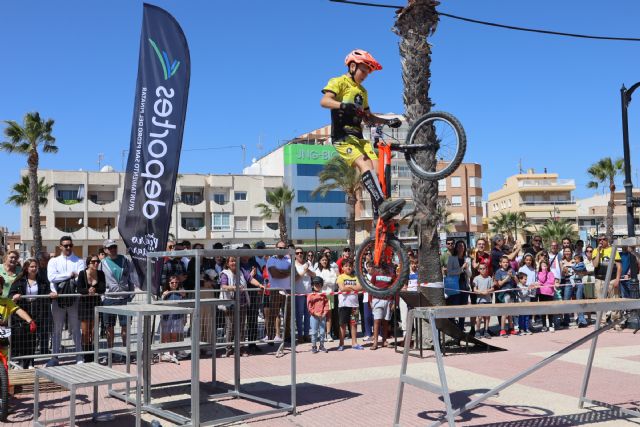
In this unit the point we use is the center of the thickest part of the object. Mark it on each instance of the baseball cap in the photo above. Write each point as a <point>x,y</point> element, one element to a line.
<point>108,243</point>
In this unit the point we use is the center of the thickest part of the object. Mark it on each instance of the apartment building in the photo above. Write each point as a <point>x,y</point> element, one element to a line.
<point>592,214</point>
<point>208,209</point>
<point>541,196</point>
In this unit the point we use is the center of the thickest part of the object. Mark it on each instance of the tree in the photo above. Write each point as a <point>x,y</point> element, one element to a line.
<point>413,25</point>
<point>604,171</point>
<point>20,192</point>
<point>278,201</point>
<point>510,223</point>
<point>557,230</point>
<point>27,139</point>
<point>337,174</point>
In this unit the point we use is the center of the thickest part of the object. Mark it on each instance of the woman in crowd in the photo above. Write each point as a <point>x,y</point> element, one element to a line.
<point>325,271</point>
<point>91,285</point>
<point>23,292</point>
<point>9,271</point>
<point>566,290</point>
<point>459,266</point>
<point>229,284</point>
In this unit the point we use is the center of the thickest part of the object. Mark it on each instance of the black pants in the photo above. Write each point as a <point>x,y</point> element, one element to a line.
<point>255,299</point>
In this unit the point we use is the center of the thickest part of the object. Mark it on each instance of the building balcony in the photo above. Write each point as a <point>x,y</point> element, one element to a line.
<point>100,233</point>
<point>103,206</point>
<point>543,184</point>
<point>547,202</point>
<point>76,233</point>
<point>193,233</point>
<point>72,205</point>
<point>198,208</point>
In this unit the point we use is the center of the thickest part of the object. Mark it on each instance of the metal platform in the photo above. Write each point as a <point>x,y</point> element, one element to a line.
<point>75,376</point>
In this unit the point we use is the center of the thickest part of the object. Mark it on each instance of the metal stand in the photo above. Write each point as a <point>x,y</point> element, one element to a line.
<point>552,307</point>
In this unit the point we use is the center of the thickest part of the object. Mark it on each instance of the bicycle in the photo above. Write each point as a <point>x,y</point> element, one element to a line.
<point>441,139</point>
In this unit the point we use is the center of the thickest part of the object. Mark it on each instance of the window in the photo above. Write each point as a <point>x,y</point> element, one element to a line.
<point>304,196</point>
<point>240,196</point>
<point>221,221</point>
<point>240,223</point>
<point>509,203</point>
<point>309,170</point>
<point>474,220</point>
<point>475,201</point>
<point>272,225</point>
<point>455,182</point>
<point>192,224</point>
<point>456,200</point>
<point>328,223</point>
<point>474,181</point>
<point>220,198</point>
<point>191,198</point>
<point>442,185</point>
<point>67,195</point>
<point>256,223</point>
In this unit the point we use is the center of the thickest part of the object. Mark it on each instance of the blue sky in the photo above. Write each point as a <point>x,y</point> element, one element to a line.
<point>257,72</point>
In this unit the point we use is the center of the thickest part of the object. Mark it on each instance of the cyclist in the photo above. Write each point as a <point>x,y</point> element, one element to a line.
<point>348,101</point>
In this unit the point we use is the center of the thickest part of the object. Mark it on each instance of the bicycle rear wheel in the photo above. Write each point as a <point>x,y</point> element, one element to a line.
<point>393,255</point>
<point>4,392</point>
<point>446,140</point>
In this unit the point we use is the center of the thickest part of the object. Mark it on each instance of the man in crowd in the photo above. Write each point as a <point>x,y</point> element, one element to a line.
<point>62,271</point>
<point>119,289</point>
<point>279,268</point>
<point>444,257</point>
<point>536,246</point>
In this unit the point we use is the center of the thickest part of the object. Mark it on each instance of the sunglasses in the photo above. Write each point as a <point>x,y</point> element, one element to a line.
<point>94,261</point>
<point>67,246</point>
<point>299,253</point>
<point>281,247</point>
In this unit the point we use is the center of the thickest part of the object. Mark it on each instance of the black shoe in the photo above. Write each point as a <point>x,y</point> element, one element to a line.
<point>582,325</point>
<point>390,208</point>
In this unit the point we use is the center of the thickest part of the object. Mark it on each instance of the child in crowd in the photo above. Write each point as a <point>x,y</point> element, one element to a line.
<point>172,324</point>
<point>579,271</point>
<point>483,288</point>
<point>524,289</point>
<point>504,285</point>
<point>382,308</point>
<point>546,291</point>
<point>318,306</point>
<point>348,304</point>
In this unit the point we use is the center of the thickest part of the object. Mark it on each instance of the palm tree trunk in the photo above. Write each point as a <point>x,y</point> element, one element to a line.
<point>413,24</point>
<point>282,223</point>
<point>351,214</point>
<point>34,199</point>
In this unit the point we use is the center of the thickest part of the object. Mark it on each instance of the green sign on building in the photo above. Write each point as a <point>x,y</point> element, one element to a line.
<point>308,154</point>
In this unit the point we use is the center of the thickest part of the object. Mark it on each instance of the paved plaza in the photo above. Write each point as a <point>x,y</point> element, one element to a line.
<point>359,387</point>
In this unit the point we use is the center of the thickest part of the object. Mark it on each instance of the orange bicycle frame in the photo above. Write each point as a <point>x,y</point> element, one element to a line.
<point>384,177</point>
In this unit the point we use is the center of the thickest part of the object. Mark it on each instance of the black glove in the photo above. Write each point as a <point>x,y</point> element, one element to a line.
<point>349,109</point>
<point>394,123</point>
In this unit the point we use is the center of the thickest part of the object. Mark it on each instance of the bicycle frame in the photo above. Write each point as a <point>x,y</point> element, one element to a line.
<point>384,177</point>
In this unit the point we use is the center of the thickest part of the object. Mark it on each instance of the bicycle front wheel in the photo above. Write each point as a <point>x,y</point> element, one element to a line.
<point>445,141</point>
<point>394,255</point>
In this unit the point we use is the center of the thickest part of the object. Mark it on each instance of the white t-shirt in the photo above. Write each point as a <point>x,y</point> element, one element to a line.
<point>303,283</point>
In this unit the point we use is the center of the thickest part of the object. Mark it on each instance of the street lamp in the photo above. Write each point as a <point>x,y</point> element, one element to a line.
<point>631,202</point>
<point>108,228</point>
<point>317,224</point>
<point>176,202</point>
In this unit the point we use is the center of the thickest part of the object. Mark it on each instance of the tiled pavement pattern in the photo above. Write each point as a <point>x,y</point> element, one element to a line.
<point>359,388</point>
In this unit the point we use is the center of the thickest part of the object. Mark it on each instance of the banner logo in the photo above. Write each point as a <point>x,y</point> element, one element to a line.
<point>169,68</point>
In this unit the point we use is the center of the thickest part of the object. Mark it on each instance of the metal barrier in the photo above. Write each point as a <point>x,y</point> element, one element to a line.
<point>25,348</point>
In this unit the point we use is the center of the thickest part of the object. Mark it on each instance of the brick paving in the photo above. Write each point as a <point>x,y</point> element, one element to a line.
<point>359,387</point>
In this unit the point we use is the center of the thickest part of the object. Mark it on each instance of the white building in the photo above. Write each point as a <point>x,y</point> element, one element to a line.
<point>212,208</point>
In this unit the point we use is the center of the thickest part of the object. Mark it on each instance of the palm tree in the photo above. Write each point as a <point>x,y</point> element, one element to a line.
<point>35,133</point>
<point>20,192</point>
<point>413,24</point>
<point>278,201</point>
<point>337,174</point>
<point>509,223</point>
<point>604,171</point>
<point>445,222</point>
<point>557,230</point>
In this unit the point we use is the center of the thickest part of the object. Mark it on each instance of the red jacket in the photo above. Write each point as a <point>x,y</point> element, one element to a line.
<point>318,304</point>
